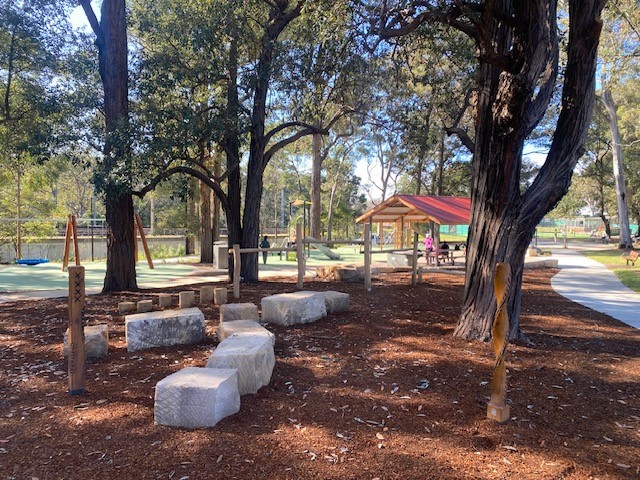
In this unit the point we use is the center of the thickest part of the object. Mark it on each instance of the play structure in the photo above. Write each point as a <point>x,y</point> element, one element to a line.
<point>71,234</point>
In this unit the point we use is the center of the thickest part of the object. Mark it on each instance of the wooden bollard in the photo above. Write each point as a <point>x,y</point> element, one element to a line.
<point>76,331</point>
<point>497,409</point>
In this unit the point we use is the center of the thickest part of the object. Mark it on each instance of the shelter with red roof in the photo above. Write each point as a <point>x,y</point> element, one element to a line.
<point>405,210</point>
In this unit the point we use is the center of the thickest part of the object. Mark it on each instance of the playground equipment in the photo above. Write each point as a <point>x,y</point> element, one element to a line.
<point>321,248</point>
<point>299,249</point>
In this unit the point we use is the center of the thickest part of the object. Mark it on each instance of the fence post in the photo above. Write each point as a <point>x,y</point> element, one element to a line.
<point>237,264</point>
<point>300,255</point>
<point>367,257</point>
<point>75,358</point>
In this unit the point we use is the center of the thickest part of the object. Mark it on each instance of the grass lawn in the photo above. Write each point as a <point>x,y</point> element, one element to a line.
<point>614,260</point>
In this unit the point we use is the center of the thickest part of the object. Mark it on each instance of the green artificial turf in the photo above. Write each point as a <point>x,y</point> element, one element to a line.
<point>49,276</point>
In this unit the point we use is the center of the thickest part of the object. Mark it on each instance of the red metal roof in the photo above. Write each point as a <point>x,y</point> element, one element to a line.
<point>421,208</point>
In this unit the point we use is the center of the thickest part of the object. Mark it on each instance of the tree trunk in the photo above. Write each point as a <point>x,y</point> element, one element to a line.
<point>502,220</point>
<point>111,40</point>
<point>119,217</point>
<point>618,171</point>
<point>206,230</point>
<point>191,217</point>
<point>231,144</point>
<point>316,186</point>
<point>215,227</point>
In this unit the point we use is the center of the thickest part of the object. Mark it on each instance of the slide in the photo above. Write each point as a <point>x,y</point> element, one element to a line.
<point>325,250</point>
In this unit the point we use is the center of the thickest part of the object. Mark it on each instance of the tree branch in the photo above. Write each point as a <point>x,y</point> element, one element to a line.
<point>289,140</point>
<point>93,21</point>
<point>202,176</point>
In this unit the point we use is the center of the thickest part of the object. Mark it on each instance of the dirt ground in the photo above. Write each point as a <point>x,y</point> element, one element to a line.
<point>383,391</point>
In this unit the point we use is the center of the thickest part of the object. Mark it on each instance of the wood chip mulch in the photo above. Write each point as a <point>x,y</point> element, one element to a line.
<point>384,391</point>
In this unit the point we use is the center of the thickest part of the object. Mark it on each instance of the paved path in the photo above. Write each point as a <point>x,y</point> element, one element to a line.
<point>591,284</point>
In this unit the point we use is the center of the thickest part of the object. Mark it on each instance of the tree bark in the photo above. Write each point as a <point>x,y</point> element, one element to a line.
<point>514,92</point>
<point>111,40</point>
<point>279,17</point>
<point>618,171</point>
<point>316,186</point>
<point>206,228</point>
<point>231,145</point>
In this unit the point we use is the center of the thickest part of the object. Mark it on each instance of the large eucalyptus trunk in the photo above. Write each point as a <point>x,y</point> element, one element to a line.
<point>315,226</point>
<point>111,40</point>
<point>206,227</point>
<point>231,144</point>
<point>618,171</point>
<point>518,65</point>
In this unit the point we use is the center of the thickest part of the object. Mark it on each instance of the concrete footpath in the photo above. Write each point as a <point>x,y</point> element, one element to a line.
<point>591,284</point>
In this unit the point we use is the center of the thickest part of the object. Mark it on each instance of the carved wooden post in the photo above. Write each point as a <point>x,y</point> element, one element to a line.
<point>498,409</point>
<point>76,330</point>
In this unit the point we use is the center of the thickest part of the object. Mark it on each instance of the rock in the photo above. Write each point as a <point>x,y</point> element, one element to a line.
<point>165,300</point>
<point>293,308</point>
<point>336,302</point>
<point>164,328</point>
<point>145,306</point>
<point>348,275</point>
<point>186,299</point>
<point>243,327</point>
<point>219,296</point>
<point>238,311</point>
<point>127,307</point>
<point>196,397</point>
<point>96,341</point>
<point>251,355</point>
<point>206,294</point>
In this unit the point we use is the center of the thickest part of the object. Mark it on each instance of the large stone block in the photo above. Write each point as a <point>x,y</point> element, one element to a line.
<point>293,308</point>
<point>243,327</point>
<point>96,341</point>
<point>251,355</point>
<point>196,397</point>
<point>238,311</point>
<point>336,302</point>
<point>164,328</point>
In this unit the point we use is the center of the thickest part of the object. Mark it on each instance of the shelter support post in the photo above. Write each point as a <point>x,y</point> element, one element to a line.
<point>414,260</point>
<point>367,256</point>
<point>300,255</point>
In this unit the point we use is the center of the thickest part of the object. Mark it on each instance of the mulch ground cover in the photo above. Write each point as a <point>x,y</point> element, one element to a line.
<point>383,391</point>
